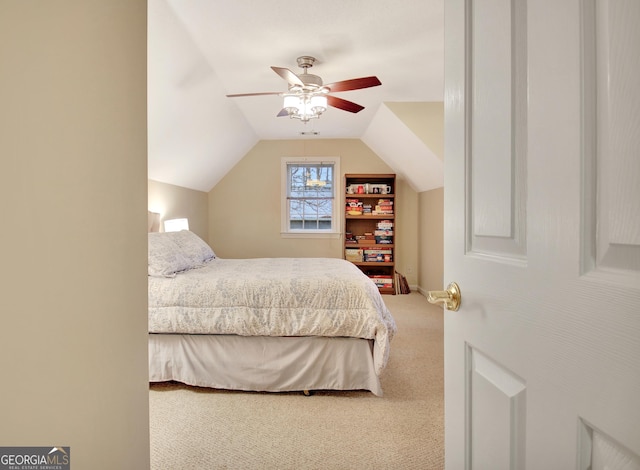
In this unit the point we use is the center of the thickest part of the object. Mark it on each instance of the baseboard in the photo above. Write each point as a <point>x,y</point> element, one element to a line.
<point>415,288</point>
<point>420,290</point>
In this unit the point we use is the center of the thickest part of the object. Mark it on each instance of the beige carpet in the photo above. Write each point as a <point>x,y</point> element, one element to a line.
<point>197,428</point>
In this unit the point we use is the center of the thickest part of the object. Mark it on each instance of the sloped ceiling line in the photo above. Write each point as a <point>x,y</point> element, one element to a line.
<point>404,152</point>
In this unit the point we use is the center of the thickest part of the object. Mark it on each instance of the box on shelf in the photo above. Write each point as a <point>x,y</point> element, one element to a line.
<point>384,236</point>
<point>379,256</point>
<point>384,206</point>
<point>385,225</point>
<point>382,281</point>
<point>354,255</point>
<point>353,207</point>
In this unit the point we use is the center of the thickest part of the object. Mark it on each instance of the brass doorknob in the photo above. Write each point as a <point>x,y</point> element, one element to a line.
<point>450,297</point>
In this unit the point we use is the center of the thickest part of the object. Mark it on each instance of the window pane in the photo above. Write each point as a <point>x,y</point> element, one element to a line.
<point>310,214</point>
<point>310,193</point>
<point>310,180</point>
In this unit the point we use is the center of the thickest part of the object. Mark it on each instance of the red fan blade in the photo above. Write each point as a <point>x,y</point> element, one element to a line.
<point>255,94</point>
<point>344,104</point>
<point>354,84</point>
<point>283,112</point>
<point>288,75</point>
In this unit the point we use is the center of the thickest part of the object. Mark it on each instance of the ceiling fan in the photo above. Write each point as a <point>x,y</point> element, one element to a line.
<point>307,97</point>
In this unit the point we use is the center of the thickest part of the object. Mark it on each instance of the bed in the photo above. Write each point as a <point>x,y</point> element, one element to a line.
<point>265,324</point>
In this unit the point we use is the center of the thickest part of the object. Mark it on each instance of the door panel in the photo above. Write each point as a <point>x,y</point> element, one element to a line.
<point>491,117</point>
<point>496,413</point>
<point>612,138</point>
<point>609,455</point>
<point>496,128</point>
<point>542,234</point>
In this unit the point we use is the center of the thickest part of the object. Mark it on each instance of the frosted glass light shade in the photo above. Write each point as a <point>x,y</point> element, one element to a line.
<point>291,103</point>
<point>318,104</point>
<point>175,225</point>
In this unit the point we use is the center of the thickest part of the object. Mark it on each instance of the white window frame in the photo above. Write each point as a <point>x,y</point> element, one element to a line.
<point>335,231</point>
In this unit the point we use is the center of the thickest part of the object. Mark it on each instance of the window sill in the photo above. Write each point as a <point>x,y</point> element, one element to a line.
<point>310,234</point>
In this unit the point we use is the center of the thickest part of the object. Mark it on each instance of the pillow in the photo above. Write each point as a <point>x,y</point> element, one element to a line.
<point>165,256</point>
<point>193,248</point>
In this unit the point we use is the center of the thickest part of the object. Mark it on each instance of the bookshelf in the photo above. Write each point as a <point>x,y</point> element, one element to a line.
<point>369,222</point>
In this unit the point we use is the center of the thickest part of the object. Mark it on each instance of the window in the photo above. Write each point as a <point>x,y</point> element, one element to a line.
<point>309,205</point>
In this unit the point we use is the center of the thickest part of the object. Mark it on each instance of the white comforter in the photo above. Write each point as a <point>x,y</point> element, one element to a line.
<point>273,297</point>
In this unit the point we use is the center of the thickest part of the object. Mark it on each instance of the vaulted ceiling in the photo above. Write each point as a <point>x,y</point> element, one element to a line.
<point>201,50</point>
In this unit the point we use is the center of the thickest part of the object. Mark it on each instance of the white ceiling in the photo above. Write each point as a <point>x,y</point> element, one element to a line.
<point>201,50</point>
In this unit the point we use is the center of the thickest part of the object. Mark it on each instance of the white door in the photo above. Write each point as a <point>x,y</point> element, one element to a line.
<point>542,234</point>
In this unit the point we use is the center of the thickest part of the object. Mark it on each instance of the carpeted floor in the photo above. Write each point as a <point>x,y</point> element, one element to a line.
<point>197,428</point>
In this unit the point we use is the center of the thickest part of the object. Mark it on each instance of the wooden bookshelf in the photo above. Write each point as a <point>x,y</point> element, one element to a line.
<point>370,211</point>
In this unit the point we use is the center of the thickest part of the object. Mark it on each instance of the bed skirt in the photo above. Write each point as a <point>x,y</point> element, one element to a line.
<point>264,363</point>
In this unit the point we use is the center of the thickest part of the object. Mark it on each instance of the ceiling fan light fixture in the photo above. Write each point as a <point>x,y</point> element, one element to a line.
<point>292,104</point>
<point>305,106</point>
<point>318,104</point>
<point>307,97</point>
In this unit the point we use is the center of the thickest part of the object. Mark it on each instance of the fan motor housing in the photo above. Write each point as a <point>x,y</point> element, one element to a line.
<point>310,79</point>
<point>305,62</point>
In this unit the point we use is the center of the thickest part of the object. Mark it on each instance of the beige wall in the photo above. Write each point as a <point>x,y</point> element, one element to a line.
<point>173,202</point>
<point>430,128</point>
<point>407,218</point>
<point>426,120</point>
<point>73,340</point>
<point>431,233</point>
<point>244,207</point>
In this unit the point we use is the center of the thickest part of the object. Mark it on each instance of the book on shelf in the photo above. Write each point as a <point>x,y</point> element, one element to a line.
<point>379,211</point>
<point>372,243</point>
<point>377,251</point>
<point>377,257</point>
<point>382,281</point>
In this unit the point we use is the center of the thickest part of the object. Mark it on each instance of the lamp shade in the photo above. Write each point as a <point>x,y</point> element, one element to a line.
<point>175,225</point>
<point>292,103</point>
<point>318,104</point>
<point>154,222</point>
